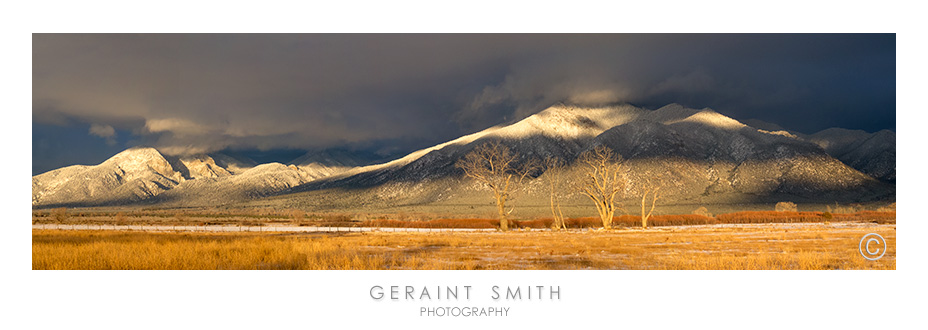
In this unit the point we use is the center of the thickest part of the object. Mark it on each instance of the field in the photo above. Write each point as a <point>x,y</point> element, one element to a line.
<point>295,217</point>
<point>798,245</point>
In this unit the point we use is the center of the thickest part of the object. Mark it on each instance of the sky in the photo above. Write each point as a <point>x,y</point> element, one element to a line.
<point>275,96</point>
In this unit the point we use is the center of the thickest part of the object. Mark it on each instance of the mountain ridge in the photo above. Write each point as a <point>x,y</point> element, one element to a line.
<point>701,151</point>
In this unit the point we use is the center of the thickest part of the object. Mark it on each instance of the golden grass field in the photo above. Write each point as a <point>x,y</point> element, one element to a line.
<point>766,246</point>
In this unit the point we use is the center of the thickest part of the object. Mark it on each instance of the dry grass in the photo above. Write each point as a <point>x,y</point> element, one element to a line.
<point>747,217</point>
<point>291,217</point>
<point>133,250</point>
<point>438,223</point>
<point>805,246</point>
<point>800,217</point>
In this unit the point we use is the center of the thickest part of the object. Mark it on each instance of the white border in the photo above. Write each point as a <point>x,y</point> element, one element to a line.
<point>613,299</point>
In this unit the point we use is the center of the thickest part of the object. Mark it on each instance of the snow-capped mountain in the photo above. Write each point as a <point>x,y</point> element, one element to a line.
<point>130,176</point>
<point>145,175</point>
<point>320,164</point>
<point>871,153</point>
<point>256,182</point>
<point>695,152</point>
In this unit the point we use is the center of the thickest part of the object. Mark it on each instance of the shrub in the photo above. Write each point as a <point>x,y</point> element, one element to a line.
<point>844,209</point>
<point>585,222</point>
<point>121,218</point>
<point>872,216</point>
<point>665,220</point>
<point>746,217</point>
<point>789,217</point>
<point>703,211</point>
<point>535,223</point>
<point>297,215</point>
<point>786,207</point>
<point>887,208</point>
<point>437,223</point>
<point>60,214</point>
<point>769,217</point>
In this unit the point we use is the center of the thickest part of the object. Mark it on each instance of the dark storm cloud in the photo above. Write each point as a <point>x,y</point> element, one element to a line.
<point>196,93</point>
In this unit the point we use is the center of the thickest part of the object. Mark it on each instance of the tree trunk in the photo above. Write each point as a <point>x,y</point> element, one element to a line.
<point>609,215</point>
<point>553,212</point>
<point>501,206</point>
<point>558,218</point>
<point>644,217</point>
<point>605,214</point>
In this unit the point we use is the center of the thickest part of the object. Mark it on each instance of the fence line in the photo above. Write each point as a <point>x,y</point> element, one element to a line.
<point>220,228</point>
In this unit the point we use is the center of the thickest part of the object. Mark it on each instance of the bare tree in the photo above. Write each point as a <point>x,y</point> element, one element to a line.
<point>554,172</point>
<point>494,165</point>
<point>602,181</point>
<point>649,187</point>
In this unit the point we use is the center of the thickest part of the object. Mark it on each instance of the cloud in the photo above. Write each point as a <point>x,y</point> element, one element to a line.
<point>595,96</point>
<point>200,92</point>
<point>174,125</point>
<point>107,132</point>
<point>103,131</point>
<point>696,81</point>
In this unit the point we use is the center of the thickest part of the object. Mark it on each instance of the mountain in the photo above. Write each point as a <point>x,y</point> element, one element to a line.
<point>320,164</point>
<point>145,175</point>
<point>256,182</point>
<point>873,154</point>
<point>697,155</point>
<point>870,153</point>
<point>132,175</point>
<point>764,125</point>
<point>560,131</point>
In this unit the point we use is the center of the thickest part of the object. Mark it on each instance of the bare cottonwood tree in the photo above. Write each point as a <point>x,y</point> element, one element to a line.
<point>494,165</point>
<point>649,187</point>
<point>554,172</point>
<point>602,180</point>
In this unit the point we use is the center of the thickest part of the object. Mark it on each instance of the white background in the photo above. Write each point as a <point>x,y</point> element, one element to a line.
<point>602,299</point>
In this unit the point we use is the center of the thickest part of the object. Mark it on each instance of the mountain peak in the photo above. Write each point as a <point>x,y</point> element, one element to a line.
<point>134,174</point>
<point>711,118</point>
<point>136,153</point>
<point>141,159</point>
<point>571,121</point>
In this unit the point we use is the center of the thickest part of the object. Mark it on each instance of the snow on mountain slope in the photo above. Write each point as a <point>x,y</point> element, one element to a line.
<point>710,118</point>
<point>873,154</point>
<point>838,141</point>
<point>320,164</point>
<point>256,182</point>
<point>760,124</point>
<point>699,150</point>
<point>562,122</point>
<point>234,165</point>
<point>198,167</point>
<point>132,175</point>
